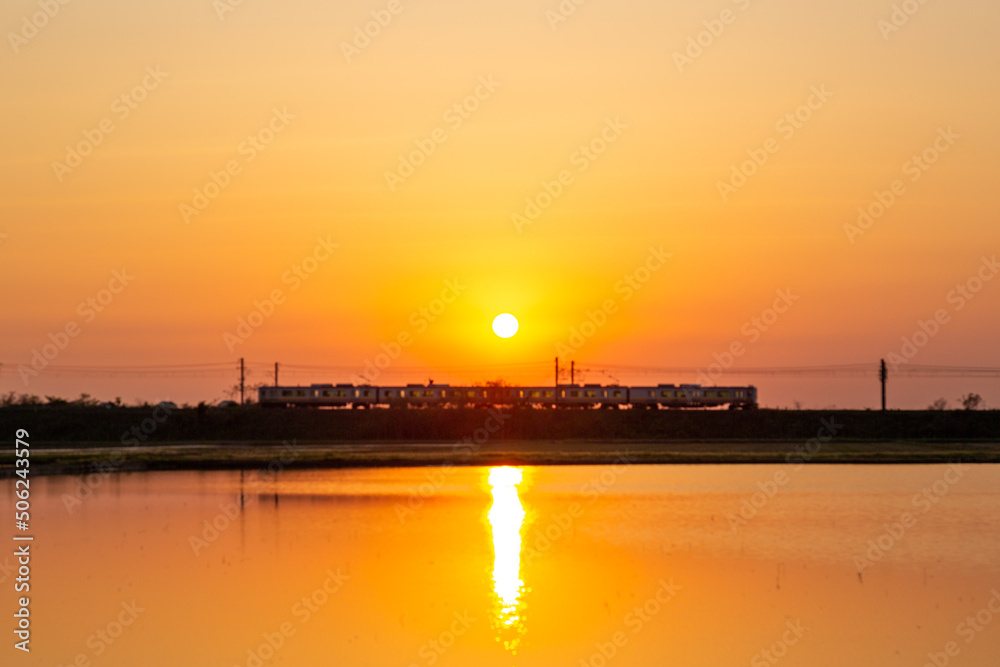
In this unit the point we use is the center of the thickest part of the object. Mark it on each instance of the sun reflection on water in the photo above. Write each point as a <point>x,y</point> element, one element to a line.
<point>506,517</point>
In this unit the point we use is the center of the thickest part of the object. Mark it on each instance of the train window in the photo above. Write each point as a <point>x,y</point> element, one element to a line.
<point>547,394</point>
<point>574,394</point>
<point>590,393</point>
<point>286,392</point>
<point>300,393</point>
<point>664,394</point>
<point>429,392</point>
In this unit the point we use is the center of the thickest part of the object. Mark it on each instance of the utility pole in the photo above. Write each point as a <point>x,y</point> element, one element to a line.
<point>883,375</point>
<point>276,374</point>
<point>242,377</point>
<point>572,372</point>
<point>557,373</point>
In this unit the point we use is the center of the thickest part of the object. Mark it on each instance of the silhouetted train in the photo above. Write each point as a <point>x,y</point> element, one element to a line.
<point>562,396</point>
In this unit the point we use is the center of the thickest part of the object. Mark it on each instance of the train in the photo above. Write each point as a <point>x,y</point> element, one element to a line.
<point>661,396</point>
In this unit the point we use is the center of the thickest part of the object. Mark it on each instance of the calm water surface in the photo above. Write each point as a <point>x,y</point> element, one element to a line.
<point>607,565</point>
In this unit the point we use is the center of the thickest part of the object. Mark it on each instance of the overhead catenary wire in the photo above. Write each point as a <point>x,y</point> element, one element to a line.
<point>826,371</point>
<point>611,371</point>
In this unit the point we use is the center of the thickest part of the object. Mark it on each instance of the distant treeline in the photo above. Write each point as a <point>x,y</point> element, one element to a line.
<point>137,425</point>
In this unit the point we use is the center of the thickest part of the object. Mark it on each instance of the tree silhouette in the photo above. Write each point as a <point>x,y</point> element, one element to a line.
<point>971,401</point>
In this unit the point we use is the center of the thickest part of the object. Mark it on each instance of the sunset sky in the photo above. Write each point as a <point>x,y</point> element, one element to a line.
<point>232,147</point>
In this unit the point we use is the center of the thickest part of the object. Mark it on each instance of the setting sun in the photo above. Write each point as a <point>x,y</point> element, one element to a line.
<point>505,325</point>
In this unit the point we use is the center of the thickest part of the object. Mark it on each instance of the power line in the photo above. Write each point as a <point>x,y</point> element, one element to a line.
<point>826,371</point>
<point>608,370</point>
<point>946,371</point>
<point>520,364</point>
<point>190,370</point>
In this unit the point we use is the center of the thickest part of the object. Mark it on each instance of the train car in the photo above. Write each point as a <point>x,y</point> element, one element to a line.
<point>734,397</point>
<point>506,395</point>
<point>315,395</point>
<point>365,396</point>
<point>614,397</point>
<point>580,395</point>
<point>414,395</point>
<point>537,397</point>
<point>692,396</point>
<point>467,397</point>
<point>593,396</point>
<point>665,395</point>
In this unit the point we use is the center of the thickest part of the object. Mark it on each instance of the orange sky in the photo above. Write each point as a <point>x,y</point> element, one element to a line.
<point>308,135</point>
